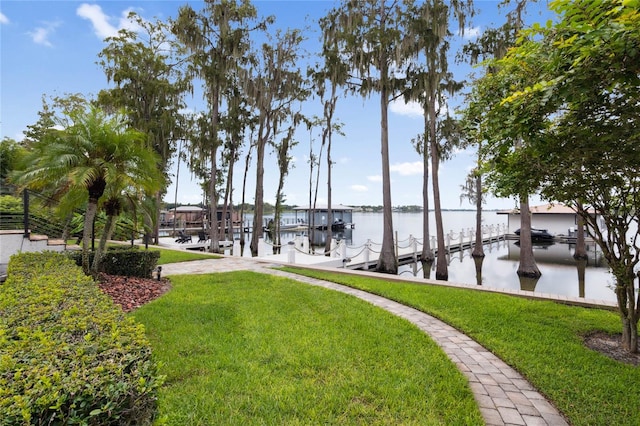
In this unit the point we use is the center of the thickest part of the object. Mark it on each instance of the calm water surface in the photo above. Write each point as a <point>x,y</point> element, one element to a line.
<point>561,274</point>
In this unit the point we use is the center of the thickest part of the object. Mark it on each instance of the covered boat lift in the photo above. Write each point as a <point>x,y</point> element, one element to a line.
<point>342,216</point>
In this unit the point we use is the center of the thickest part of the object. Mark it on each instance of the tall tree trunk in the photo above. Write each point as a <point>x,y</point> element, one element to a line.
<point>442,271</point>
<point>527,266</point>
<point>214,235</point>
<point>329,109</point>
<point>478,260</point>
<point>478,249</point>
<point>581,248</point>
<point>387,262</point>
<point>102,246</point>
<point>87,233</point>
<point>244,191</point>
<point>214,232</point>
<point>227,227</point>
<point>327,244</point>
<point>310,221</point>
<point>427,252</point>
<point>259,207</point>
<point>315,195</point>
<point>277,241</point>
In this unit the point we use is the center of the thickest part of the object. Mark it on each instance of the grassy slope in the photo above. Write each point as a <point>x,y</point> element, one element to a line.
<point>244,348</point>
<point>542,340</point>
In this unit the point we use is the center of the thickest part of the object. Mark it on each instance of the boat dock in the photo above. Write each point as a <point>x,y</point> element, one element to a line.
<point>365,257</point>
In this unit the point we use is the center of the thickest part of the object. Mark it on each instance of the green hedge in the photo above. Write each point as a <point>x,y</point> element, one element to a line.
<point>68,355</point>
<point>125,260</point>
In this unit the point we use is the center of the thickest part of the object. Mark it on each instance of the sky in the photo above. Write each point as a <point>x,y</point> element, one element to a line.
<point>51,48</point>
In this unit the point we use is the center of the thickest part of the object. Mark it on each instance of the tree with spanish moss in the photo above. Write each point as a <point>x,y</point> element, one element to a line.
<point>273,86</point>
<point>371,38</point>
<point>430,83</point>
<point>217,39</point>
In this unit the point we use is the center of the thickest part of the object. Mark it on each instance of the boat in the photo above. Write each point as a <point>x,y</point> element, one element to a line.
<point>337,225</point>
<point>538,235</point>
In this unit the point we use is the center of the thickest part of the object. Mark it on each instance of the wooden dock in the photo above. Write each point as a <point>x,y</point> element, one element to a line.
<point>365,257</point>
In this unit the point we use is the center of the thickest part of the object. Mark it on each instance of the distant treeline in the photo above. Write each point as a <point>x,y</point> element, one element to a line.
<point>270,208</point>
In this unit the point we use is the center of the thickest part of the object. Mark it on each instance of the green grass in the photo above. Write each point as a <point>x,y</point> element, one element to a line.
<point>244,348</point>
<point>169,255</point>
<point>172,256</point>
<point>542,340</point>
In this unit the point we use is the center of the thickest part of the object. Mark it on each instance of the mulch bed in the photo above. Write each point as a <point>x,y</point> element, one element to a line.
<point>611,346</point>
<point>132,292</point>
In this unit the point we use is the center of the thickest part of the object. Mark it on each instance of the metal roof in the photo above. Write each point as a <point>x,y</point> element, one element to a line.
<point>551,208</point>
<point>336,207</point>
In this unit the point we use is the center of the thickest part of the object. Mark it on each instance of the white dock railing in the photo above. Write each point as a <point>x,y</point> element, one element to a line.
<point>297,251</point>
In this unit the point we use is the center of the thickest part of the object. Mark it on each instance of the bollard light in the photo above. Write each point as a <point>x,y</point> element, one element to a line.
<point>159,271</point>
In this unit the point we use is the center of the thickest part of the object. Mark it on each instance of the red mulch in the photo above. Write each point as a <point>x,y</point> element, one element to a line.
<point>132,292</point>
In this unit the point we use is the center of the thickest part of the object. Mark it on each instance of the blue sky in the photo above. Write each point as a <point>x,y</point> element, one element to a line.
<point>51,48</point>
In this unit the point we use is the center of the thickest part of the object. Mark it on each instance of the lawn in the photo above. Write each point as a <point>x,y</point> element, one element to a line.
<point>542,340</point>
<point>246,348</point>
<point>173,256</point>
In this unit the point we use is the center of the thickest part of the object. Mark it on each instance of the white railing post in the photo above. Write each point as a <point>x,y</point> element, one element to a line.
<point>305,244</point>
<point>414,248</point>
<point>291,254</point>
<point>343,250</point>
<point>332,247</point>
<point>261,247</point>
<point>236,247</point>
<point>367,252</point>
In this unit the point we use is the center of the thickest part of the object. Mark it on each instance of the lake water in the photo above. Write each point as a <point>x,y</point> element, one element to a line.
<point>561,274</point>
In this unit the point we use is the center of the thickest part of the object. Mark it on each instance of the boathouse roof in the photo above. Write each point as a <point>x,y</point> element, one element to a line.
<point>551,208</point>
<point>321,207</point>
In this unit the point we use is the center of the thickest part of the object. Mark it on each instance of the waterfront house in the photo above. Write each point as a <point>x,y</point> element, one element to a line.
<point>556,218</point>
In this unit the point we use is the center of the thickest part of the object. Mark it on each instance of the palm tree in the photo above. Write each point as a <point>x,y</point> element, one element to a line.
<point>94,152</point>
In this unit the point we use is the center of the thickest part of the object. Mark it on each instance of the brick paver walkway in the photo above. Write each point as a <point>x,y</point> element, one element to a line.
<point>503,395</point>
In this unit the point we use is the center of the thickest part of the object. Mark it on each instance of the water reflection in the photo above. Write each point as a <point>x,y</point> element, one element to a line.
<point>581,264</point>
<point>426,269</point>
<point>555,261</point>
<point>528,283</point>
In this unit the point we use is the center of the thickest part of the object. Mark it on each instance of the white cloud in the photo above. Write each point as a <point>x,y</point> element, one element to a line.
<point>472,32</point>
<point>102,23</point>
<point>3,18</point>
<point>41,34</point>
<point>408,169</point>
<point>359,188</point>
<point>411,109</point>
<point>376,178</point>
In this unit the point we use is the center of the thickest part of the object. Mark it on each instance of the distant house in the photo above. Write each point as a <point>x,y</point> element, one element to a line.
<point>556,218</point>
<point>187,216</point>
<point>340,213</point>
<point>196,217</point>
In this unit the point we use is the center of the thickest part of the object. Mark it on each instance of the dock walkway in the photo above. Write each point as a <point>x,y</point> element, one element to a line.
<point>366,256</point>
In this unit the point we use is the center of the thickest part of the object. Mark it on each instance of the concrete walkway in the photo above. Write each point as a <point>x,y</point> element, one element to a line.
<point>503,395</point>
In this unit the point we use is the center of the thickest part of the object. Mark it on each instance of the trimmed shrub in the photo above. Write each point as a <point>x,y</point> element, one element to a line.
<point>68,355</point>
<point>125,260</point>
